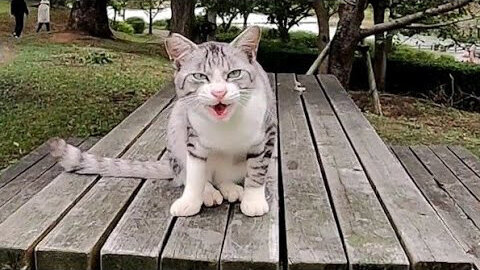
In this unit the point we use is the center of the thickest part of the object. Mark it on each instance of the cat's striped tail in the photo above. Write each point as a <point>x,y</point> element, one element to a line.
<point>74,160</point>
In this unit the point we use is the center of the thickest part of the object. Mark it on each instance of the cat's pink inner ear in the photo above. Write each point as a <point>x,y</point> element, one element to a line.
<point>178,46</point>
<point>248,41</point>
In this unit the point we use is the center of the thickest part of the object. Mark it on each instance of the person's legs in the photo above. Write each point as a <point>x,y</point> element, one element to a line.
<point>18,25</point>
<point>48,26</point>
<point>39,26</point>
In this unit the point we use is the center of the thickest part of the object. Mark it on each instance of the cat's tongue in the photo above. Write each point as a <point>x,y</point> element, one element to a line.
<point>220,109</point>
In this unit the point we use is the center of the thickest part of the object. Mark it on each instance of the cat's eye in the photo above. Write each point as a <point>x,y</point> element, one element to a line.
<point>234,74</point>
<point>200,77</point>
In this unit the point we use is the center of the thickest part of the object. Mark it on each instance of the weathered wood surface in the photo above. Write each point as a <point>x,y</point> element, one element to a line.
<point>79,239</point>
<point>30,189</point>
<point>460,225</point>
<point>461,171</point>
<point>448,182</point>
<point>254,243</point>
<point>23,164</point>
<point>196,242</point>
<point>15,185</point>
<point>371,242</point>
<point>22,230</point>
<point>313,239</point>
<point>426,240</point>
<point>468,158</point>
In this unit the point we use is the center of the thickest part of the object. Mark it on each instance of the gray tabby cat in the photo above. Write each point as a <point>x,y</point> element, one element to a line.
<point>221,129</point>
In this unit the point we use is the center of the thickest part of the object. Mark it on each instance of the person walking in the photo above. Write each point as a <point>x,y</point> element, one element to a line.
<point>44,15</point>
<point>18,9</point>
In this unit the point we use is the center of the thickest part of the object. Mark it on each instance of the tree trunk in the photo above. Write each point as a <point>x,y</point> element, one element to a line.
<point>323,30</point>
<point>283,32</point>
<point>211,18</point>
<point>183,17</point>
<point>90,16</point>
<point>245,20</point>
<point>150,23</point>
<point>380,54</point>
<point>345,40</point>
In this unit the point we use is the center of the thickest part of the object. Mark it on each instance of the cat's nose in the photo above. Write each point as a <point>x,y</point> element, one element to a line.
<point>219,94</point>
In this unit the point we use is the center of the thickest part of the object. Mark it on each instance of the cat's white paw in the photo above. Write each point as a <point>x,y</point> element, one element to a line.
<point>211,197</point>
<point>231,192</point>
<point>254,203</point>
<point>184,207</point>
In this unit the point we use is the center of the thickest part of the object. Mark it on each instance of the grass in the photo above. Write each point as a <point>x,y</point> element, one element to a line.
<point>410,121</point>
<point>65,85</point>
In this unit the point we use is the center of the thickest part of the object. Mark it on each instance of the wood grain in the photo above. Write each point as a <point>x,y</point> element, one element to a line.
<point>313,240</point>
<point>30,189</point>
<point>83,230</point>
<point>472,161</point>
<point>196,242</point>
<point>371,242</point>
<point>22,230</point>
<point>426,240</point>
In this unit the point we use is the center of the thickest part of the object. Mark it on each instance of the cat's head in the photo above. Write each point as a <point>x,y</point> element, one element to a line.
<point>215,78</point>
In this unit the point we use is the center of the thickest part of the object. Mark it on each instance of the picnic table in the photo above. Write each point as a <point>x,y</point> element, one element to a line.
<point>340,198</point>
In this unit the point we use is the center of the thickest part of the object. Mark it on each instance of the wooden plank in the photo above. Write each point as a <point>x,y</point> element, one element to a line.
<point>29,190</point>
<point>137,240</point>
<point>76,241</point>
<point>196,242</point>
<point>461,171</point>
<point>472,161</point>
<point>28,176</point>
<point>371,242</point>
<point>448,182</point>
<point>22,230</point>
<point>313,240</point>
<point>23,164</point>
<point>426,240</point>
<point>253,243</point>
<point>461,226</point>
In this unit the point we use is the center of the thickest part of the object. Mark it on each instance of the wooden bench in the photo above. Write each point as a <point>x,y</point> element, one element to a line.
<point>340,199</point>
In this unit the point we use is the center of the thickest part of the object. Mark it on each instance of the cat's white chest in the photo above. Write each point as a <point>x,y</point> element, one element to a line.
<point>243,130</point>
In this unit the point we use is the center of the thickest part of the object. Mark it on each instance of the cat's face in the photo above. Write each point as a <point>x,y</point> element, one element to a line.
<point>215,79</point>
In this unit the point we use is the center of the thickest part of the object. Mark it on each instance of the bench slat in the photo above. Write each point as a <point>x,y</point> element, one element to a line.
<point>23,164</point>
<point>313,240</point>
<point>371,242</point>
<point>75,242</point>
<point>449,183</point>
<point>464,230</point>
<point>427,241</point>
<point>253,243</point>
<point>22,230</point>
<point>28,176</point>
<point>472,161</point>
<point>196,242</point>
<point>32,188</point>
<point>461,171</point>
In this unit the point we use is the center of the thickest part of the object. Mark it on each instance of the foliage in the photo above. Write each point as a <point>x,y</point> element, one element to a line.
<point>161,24</point>
<point>226,10</point>
<point>285,14</point>
<point>137,23</point>
<point>303,39</point>
<point>59,98</point>
<point>123,27</point>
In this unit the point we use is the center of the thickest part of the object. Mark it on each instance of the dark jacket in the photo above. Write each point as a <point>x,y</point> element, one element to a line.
<point>18,7</point>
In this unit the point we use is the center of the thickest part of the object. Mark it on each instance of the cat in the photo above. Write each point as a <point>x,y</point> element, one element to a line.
<point>221,130</point>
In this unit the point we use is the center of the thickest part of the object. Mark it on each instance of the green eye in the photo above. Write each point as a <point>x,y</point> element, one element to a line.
<point>234,74</point>
<point>200,77</point>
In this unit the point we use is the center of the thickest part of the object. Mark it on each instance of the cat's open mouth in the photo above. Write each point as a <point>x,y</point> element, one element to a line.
<point>220,109</point>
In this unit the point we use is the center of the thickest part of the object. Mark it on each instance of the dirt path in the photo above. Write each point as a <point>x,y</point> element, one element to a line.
<point>6,53</point>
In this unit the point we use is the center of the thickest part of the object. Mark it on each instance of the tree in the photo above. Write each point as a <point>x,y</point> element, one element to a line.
<point>324,9</point>
<point>348,32</point>
<point>225,9</point>
<point>183,17</point>
<point>152,8</point>
<point>245,8</point>
<point>285,13</point>
<point>90,16</point>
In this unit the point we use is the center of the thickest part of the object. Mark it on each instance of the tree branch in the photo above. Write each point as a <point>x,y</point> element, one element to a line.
<point>438,25</point>
<point>409,19</point>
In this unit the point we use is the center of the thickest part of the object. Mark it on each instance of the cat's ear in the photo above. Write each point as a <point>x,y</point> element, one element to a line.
<point>178,46</point>
<point>248,41</point>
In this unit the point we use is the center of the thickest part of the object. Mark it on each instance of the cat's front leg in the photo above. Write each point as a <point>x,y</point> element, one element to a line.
<point>254,202</point>
<point>191,200</point>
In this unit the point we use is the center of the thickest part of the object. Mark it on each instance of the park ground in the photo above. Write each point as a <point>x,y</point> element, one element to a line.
<point>64,84</point>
